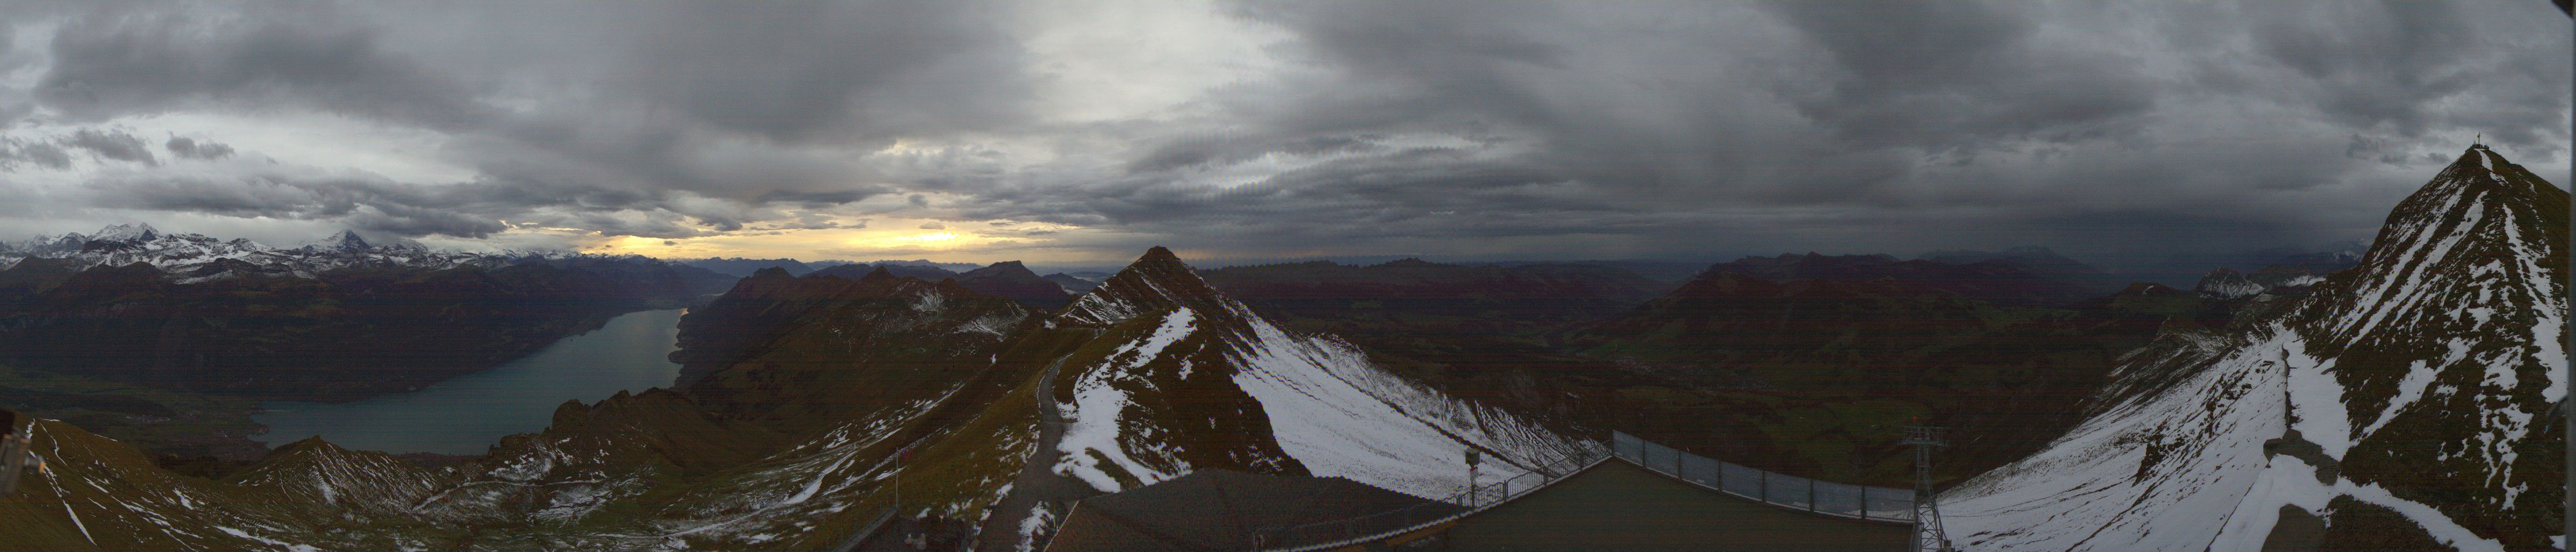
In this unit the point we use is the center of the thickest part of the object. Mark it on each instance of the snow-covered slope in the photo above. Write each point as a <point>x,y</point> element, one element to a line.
<point>2401,404</point>
<point>1183,378</point>
<point>319,474</point>
<point>97,494</point>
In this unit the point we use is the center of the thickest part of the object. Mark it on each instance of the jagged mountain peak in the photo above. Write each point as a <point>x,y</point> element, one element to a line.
<point>2227,284</point>
<point>2482,219</point>
<point>2406,401</point>
<point>126,232</point>
<point>345,240</point>
<point>1155,282</point>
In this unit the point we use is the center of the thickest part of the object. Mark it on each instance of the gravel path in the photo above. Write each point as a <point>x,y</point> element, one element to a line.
<point>1038,484</point>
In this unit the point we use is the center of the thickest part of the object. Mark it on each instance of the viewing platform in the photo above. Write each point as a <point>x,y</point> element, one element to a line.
<point>1641,496</point>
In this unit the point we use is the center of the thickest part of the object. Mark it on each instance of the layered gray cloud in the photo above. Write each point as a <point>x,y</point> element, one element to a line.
<point>191,148</point>
<point>1471,129</point>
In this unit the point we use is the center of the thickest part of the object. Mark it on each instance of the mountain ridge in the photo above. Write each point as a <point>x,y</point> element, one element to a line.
<point>2196,442</point>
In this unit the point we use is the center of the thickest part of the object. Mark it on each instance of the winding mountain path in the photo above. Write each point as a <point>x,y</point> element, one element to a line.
<point>1038,485</point>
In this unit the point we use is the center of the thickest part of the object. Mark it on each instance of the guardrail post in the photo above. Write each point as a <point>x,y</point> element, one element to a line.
<point>1811,494</point>
<point>1766,484</point>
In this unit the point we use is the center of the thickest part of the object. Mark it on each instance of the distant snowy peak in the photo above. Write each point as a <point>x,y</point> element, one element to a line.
<point>2403,401</point>
<point>350,242</point>
<point>346,240</point>
<point>2227,284</point>
<point>126,232</point>
<point>2278,280</point>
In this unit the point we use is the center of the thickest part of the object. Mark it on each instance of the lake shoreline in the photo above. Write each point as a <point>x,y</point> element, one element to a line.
<point>465,415</point>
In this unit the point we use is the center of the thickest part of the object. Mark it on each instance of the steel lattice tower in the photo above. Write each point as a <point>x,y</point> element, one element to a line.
<point>1928,534</point>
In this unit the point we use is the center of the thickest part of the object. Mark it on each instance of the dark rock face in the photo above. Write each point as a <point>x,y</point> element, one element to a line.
<point>1009,279</point>
<point>1071,284</point>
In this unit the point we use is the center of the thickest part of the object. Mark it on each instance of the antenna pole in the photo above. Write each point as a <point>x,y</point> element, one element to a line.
<point>2567,406</point>
<point>1928,533</point>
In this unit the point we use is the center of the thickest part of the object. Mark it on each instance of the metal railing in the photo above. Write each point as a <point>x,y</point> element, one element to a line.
<point>1390,523</point>
<point>874,523</point>
<point>1798,493</point>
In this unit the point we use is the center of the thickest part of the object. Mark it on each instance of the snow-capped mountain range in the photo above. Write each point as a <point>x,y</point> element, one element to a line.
<point>2404,402</point>
<point>197,257</point>
<point>201,257</point>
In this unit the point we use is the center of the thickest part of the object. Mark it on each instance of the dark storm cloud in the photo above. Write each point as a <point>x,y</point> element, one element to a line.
<point>1960,76</point>
<point>41,154</point>
<point>818,199</point>
<point>810,222</point>
<point>798,71</point>
<point>115,61</point>
<point>191,148</point>
<point>367,205</point>
<point>1510,127</point>
<point>642,103</point>
<point>1668,122</point>
<point>2388,67</point>
<point>110,145</point>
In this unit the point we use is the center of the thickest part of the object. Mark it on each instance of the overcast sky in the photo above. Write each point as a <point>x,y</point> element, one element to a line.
<point>1086,131</point>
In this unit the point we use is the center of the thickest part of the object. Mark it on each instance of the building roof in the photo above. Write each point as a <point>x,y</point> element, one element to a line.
<point>1213,509</point>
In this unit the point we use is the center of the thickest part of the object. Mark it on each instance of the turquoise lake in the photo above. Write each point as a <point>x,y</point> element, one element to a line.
<point>469,413</point>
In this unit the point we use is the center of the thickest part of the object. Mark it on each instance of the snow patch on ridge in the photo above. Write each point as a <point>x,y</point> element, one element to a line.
<point>1342,416</point>
<point>2316,399</point>
<point>1091,436</point>
<point>2183,469</point>
<point>2205,439</point>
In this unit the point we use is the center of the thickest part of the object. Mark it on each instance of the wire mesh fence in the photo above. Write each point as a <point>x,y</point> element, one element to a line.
<point>1822,497</point>
<point>1418,516</point>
